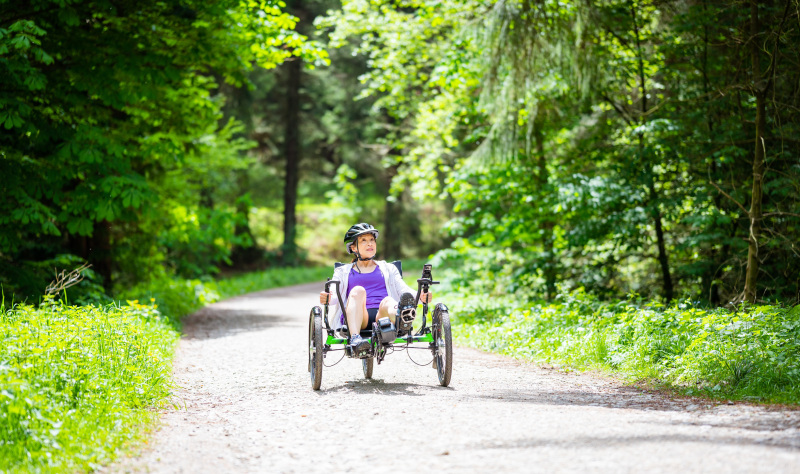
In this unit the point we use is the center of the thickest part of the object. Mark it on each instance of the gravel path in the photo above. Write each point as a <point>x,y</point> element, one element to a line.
<point>247,406</point>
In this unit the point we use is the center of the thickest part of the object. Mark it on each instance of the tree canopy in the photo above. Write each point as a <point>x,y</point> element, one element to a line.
<point>617,145</point>
<point>113,141</point>
<point>620,146</point>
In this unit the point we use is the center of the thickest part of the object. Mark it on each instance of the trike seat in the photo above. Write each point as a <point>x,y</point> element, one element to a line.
<point>396,263</point>
<point>340,333</point>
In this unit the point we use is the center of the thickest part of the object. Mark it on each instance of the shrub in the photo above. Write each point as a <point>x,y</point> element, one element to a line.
<point>753,352</point>
<point>177,297</point>
<point>76,382</point>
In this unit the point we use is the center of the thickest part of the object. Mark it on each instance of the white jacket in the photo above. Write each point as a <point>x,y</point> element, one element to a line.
<point>395,286</point>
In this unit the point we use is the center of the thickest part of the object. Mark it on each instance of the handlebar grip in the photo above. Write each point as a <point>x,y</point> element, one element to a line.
<point>338,296</point>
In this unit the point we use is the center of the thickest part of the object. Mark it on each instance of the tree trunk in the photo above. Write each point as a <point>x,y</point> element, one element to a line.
<point>99,252</point>
<point>292,154</point>
<point>759,89</point>
<point>709,288</point>
<point>547,225</point>
<point>663,260</point>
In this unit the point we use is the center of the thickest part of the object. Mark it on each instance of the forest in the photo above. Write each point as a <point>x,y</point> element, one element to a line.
<point>543,153</point>
<point>620,146</point>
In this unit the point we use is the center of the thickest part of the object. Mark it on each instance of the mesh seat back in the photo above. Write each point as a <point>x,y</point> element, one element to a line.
<point>396,263</point>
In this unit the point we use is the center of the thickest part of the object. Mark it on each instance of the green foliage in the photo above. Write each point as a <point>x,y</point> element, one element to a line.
<point>178,297</point>
<point>751,353</point>
<point>111,119</point>
<point>175,297</point>
<point>78,383</point>
<point>606,144</point>
<point>273,278</point>
<point>30,278</point>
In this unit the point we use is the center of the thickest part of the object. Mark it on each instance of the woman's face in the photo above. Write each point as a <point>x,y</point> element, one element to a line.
<point>367,246</point>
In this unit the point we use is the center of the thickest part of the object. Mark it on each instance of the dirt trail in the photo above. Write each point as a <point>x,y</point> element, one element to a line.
<point>249,407</point>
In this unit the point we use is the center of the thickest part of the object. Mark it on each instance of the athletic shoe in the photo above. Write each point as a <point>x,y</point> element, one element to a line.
<point>406,312</point>
<point>358,344</point>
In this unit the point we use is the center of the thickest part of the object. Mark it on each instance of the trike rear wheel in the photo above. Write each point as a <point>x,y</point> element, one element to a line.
<point>367,365</point>
<point>315,348</point>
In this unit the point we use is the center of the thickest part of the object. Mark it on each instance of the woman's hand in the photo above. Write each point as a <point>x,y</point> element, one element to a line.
<point>426,297</point>
<point>324,298</point>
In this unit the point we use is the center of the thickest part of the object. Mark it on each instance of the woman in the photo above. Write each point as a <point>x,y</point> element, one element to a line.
<point>373,289</point>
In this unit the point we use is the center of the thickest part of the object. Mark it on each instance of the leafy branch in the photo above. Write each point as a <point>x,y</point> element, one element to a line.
<point>747,213</point>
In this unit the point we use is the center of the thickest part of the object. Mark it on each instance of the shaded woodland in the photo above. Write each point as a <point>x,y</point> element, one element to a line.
<point>619,146</point>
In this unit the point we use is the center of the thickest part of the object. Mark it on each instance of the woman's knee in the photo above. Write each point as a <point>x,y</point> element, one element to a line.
<point>387,308</point>
<point>358,292</point>
<point>388,302</point>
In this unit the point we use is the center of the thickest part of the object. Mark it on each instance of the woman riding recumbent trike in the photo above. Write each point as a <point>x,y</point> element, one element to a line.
<point>382,307</point>
<point>384,337</point>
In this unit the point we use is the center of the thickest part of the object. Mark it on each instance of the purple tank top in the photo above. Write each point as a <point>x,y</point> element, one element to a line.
<point>372,282</point>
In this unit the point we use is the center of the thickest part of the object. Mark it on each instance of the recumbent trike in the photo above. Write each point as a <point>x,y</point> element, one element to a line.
<point>383,337</point>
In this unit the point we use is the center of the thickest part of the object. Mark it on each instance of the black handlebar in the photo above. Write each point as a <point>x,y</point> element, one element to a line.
<point>425,282</point>
<point>339,297</point>
<point>338,292</point>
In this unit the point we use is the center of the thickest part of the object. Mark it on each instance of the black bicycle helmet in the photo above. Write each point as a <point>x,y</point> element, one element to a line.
<point>359,229</point>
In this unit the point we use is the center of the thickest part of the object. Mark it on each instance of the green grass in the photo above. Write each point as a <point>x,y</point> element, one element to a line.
<point>77,383</point>
<point>749,354</point>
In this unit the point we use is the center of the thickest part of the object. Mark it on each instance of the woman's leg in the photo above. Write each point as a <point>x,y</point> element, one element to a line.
<point>388,308</point>
<point>357,310</point>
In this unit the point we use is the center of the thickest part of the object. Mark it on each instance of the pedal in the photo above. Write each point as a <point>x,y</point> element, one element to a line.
<point>387,331</point>
<point>362,351</point>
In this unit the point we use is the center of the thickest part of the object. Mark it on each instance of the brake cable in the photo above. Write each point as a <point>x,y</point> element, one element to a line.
<point>326,365</point>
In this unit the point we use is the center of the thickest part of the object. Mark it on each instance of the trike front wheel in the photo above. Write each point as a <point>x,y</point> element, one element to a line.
<point>442,345</point>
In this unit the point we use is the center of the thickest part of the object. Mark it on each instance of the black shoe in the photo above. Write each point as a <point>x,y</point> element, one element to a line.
<point>406,312</point>
<point>358,344</point>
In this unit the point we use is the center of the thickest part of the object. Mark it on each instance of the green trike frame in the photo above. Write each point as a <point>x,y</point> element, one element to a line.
<point>437,337</point>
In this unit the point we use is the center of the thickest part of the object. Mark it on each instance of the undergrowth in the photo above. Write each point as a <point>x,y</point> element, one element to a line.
<point>79,383</point>
<point>752,353</point>
<point>179,297</point>
<point>76,382</point>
